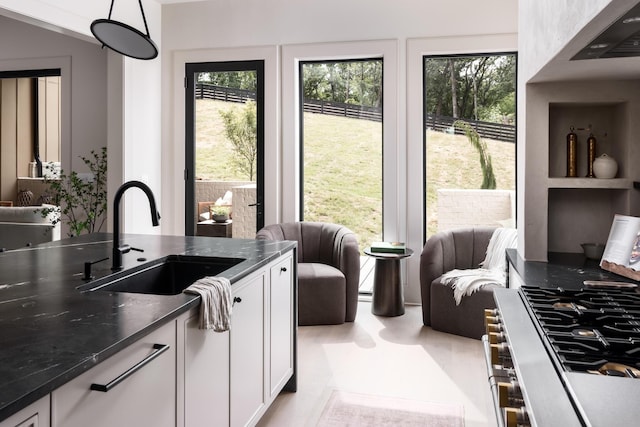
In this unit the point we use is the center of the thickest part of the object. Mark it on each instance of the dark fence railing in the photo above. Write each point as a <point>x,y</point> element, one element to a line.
<point>496,131</point>
<point>341,109</point>
<point>220,93</point>
<point>488,130</point>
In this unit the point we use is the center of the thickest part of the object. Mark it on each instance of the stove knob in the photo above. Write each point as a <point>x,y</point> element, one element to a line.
<point>490,320</point>
<point>499,352</point>
<point>496,337</point>
<point>516,417</point>
<point>509,394</point>
<point>493,327</point>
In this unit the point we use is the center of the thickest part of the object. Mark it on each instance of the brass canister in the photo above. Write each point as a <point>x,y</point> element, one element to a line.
<point>591,155</point>
<point>572,154</point>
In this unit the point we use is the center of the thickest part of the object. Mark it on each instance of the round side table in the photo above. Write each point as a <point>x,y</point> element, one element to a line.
<point>388,295</point>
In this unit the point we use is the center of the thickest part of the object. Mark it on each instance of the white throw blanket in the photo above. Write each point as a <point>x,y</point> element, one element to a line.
<point>215,307</point>
<point>493,268</point>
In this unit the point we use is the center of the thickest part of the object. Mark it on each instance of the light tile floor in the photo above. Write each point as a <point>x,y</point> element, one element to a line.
<point>388,356</point>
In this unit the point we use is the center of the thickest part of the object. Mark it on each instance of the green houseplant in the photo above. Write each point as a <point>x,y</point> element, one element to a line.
<point>219,213</point>
<point>81,202</point>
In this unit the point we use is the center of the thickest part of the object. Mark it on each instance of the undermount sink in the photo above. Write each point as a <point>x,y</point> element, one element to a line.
<point>170,276</point>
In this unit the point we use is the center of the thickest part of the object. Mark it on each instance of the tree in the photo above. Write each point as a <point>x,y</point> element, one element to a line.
<point>467,87</point>
<point>241,131</point>
<point>352,82</point>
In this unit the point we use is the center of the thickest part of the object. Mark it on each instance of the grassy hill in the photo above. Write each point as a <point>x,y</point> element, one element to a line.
<point>343,167</point>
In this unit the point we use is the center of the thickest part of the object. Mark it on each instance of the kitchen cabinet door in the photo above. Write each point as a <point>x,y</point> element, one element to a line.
<point>281,324</point>
<point>247,352</point>
<point>206,374</point>
<point>147,397</point>
<point>34,415</point>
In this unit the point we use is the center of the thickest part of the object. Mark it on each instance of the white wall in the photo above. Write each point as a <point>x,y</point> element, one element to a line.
<point>128,103</point>
<point>546,26</point>
<point>84,82</point>
<point>228,24</point>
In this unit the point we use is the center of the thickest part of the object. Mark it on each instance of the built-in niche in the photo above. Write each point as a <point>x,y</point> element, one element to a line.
<point>30,130</point>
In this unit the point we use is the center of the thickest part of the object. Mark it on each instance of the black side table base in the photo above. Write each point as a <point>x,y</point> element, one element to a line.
<point>388,292</point>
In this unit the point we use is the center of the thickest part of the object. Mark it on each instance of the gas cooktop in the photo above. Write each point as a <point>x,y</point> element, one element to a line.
<point>573,355</point>
<point>590,330</point>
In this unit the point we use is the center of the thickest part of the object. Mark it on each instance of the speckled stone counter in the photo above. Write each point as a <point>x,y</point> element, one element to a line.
<point>50,332</point>
<point>568,271</point>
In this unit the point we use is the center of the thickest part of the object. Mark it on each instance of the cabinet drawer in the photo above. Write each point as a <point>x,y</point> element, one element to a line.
<point>146,397</point>
<point>34,415</point>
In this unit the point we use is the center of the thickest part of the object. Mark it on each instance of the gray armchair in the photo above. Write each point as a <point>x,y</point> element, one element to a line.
<point>328,270</point>
<point>445,251</point>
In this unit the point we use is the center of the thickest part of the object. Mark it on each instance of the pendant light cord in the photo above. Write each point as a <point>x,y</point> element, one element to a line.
<point>111,8</point>
<point>144,18</point>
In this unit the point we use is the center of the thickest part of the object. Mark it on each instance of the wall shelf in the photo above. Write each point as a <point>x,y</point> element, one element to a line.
<point>595,183</point>
<point>560,212</point>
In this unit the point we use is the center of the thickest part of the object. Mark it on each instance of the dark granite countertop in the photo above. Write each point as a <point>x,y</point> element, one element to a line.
<point>50,332</point>
<point>566,270</point>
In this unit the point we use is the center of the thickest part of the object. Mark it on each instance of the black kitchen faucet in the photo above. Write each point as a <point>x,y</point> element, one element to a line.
<point>118,249</point>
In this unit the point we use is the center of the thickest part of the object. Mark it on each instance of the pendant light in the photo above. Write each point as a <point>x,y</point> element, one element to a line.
<point>123,38</point>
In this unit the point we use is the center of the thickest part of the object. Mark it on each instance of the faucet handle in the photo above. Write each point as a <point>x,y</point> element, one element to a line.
<point>136,249</point>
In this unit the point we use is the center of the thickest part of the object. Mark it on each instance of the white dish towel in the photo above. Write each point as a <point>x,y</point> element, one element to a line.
<point>216,304</point>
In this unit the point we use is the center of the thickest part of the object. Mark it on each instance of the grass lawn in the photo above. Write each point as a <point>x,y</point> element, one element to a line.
<point>343,167</point>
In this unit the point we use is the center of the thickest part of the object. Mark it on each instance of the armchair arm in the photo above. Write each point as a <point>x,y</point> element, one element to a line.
<point>347,259</point>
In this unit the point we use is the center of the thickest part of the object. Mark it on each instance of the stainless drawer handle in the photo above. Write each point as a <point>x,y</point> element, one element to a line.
<point>158,350</point>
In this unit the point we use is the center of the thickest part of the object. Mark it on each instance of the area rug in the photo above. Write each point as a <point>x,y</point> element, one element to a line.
<point>353,409</point>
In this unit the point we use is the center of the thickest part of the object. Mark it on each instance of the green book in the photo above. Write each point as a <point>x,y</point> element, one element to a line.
<point>388,247</point>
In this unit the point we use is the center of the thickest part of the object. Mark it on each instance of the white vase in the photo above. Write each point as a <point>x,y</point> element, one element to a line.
<point>605,167</point>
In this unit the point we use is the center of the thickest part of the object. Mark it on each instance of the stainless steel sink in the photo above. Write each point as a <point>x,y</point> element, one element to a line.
<point>170,276</point>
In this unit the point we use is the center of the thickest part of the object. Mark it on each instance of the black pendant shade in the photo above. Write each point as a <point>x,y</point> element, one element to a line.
<point>123,38</point>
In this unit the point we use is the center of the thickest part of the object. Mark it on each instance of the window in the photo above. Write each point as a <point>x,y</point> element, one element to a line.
<point>341,145</point>
<point>469,112</point>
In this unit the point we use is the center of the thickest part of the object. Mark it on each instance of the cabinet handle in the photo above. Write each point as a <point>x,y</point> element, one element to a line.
<point>283,269</point>
<point>235,300</point>
<point>158,350</point>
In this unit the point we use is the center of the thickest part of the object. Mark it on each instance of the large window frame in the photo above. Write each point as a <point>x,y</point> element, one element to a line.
<point>416,50</point>
<point>174,161</point>
<point>393,226</point>
<point>425,219</point>
<point>256,66</point>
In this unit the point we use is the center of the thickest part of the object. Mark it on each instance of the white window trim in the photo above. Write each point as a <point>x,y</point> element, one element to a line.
<point>416,50</point>
<point>292,55</point>
<point>173,182</point>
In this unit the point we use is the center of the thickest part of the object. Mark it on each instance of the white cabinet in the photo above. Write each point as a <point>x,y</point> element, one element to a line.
<point>281,325</point>
<point>203,381</point>
<point>230,378</point>
<point>34,415</point>
<point>141,385</point>
<point>247,352</point>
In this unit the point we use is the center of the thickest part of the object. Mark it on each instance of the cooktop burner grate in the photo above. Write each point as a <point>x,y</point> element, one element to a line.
<point>591,331</point>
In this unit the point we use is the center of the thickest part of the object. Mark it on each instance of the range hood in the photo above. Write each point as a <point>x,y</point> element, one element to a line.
<point>620,40</point>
